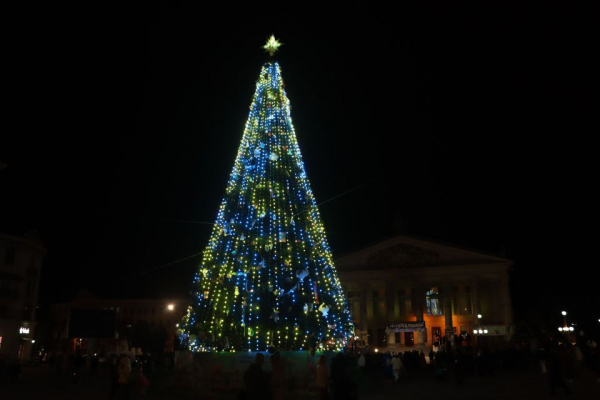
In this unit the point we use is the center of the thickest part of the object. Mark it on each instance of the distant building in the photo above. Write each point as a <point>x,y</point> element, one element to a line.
<point>406,292</point>
<point>131,318</point>
<point>20,266</point>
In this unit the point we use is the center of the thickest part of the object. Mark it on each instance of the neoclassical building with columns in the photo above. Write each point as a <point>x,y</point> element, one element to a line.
<point>407,293</point>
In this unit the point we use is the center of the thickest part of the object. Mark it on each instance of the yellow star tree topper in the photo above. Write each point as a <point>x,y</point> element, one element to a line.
<point>272,45</point>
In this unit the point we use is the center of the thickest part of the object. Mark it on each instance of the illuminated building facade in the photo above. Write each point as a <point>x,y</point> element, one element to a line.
<point>406,292</point>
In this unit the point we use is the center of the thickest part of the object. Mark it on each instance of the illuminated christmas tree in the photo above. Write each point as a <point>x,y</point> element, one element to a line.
<point>267,277</point>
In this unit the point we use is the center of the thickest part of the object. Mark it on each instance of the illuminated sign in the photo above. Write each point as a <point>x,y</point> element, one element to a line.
<point>24,330</point>
<point>406,326</point>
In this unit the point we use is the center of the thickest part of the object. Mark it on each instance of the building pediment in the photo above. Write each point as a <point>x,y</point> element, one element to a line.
<point>408,252</point>
<point>402,255</point>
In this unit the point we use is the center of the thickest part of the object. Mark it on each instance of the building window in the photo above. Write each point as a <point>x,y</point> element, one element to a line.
<point>461,298</point>
<point>434,304</point>
<point>379,307</point>
<point>405,303</point>
<point>11,254</point>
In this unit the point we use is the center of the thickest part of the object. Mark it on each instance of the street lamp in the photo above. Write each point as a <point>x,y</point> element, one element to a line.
<point>565,326</point>
<point>479,330</point>
<point>171,307</point>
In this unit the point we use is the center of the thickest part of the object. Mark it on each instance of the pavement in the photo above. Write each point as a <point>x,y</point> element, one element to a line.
<point>38,382</point>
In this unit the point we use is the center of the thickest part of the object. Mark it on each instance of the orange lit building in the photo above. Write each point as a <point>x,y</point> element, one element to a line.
<point>439,289</point>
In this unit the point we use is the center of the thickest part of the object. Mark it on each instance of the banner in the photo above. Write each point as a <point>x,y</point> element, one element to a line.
<point>496,330</point>
<point>406,326</point>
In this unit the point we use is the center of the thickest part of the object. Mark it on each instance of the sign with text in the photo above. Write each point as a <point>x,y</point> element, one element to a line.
<point>406,326</point>
<point>496,330</point>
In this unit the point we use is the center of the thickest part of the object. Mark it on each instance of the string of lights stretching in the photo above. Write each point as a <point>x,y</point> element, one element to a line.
<point>187,221</point>
<point>137,274</point>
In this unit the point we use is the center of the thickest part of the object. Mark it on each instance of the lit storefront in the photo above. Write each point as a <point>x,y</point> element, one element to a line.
<point>20,266</point>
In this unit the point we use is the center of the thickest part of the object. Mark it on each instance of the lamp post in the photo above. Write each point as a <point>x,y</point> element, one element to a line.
<point>565,328</point>
<point>479,331</point>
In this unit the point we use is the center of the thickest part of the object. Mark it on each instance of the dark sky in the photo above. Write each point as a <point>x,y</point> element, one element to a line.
<point>475,120</point>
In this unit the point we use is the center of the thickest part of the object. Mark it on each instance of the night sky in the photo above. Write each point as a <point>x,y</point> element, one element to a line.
<point>472,125</point>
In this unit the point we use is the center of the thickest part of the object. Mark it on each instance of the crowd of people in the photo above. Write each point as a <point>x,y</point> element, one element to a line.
<point>352,372</point>
<point>125,373</point>
<point>347,373</point>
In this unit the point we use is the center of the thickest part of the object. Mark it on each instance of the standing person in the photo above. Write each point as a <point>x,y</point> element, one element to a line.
<point>397,367</point>
<point>387,365</point>
<point>278,381</point>
<point>94,364</point>
<point>343,388</point>
<point>14,370</point>
<point>140,380</point>
<point>578,361</point>
<point>323,378</point>
<point>170,352</point>
<point>77,366</point>
<point>312,344</point>
<point>422,361</point>
<point>124,371</point>
<point>541,358</point>
<point>362,362</point>
<point>114,376</point>
<point>555,371</point>
<point>256,380</point>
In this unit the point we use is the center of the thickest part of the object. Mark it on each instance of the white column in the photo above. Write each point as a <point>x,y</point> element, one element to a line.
<point>506,301</point>
<point>363,308</point>
<point>419,298</point>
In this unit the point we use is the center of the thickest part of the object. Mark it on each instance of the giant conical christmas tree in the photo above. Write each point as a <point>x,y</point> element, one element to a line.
<point>267,277</point>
